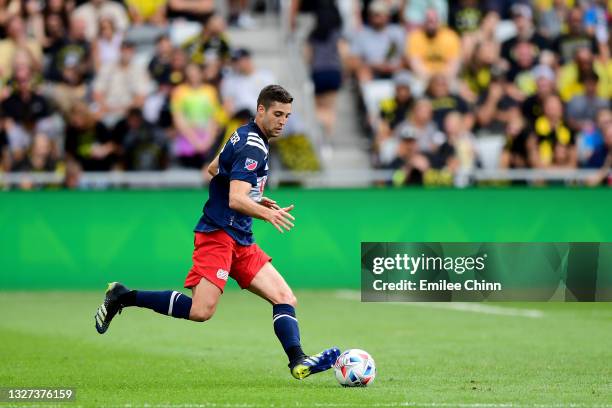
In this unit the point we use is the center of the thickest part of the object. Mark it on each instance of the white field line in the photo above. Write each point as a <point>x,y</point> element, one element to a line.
<point>456,306</point>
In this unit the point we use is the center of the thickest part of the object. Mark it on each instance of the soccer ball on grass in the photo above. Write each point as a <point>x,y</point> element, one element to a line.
<point>355,368</point>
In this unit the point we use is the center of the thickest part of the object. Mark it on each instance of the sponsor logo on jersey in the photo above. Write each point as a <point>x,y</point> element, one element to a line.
<point>221,274</point>
<point>250,164</point>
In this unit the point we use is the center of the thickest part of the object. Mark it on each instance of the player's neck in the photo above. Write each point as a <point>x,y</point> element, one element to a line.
<point>261,128</point>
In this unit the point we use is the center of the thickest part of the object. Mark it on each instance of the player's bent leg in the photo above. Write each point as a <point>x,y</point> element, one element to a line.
<point>117,296</point>
<point>204,303</point>
<point>270,285</point>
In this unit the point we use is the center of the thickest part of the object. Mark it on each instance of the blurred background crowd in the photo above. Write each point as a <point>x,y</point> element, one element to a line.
<point>425,91</point>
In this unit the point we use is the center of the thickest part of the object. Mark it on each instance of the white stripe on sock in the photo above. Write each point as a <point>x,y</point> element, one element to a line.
<point>283,315</point>
<point>171,305</point>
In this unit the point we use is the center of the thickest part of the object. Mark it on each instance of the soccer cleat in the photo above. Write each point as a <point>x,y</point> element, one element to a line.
<point>315,364</point>
<point>110,307</point>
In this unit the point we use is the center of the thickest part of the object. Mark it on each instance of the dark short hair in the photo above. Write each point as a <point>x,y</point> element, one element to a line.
<point>273,93</point>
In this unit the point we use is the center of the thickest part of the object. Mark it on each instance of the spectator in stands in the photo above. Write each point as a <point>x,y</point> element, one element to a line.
<point>603,152</point>
<point>91,12</point>
<point>521,79</point>
<point>433,49</point>
<point>196,112</point>
<point>393,111</point>
<point>494,107</point>
<point>71,89</point>
<point>17,41</point>
<point>422,126</point>
<point>74,51</point>
<point>62,8</point>
<point>596,22</point>
<point>26,112</point>
<point>147,12</point>
<point>591,139</point>
<point>552,20</point>
<point>40,158</point>
<point>475,23</point>
<point>409,165</point>
<point>477,72</point>
<point>211,47</point>
<point>458,151</point>
<point>514,154</point>
<point>55,34</point>
<point>88,142</point>
<point>192,10</point>
<point>443,102</point>
<point>145,146</point>
<point>553,143</point>
<point>522,16</point>
<point>533,106</point>
<point>106,49</point>
<point>323,52</point>
<point>566,44</point>
<point>581,109</point>
<point>583,66</point>
<point>31,12</point>
<point>119,87</point>
<point>160,66</point>
<point>376,50</point>
<point>604,156</point>
<point>241,86</point>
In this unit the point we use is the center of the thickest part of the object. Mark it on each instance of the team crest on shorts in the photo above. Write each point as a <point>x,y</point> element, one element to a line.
<point>221,274</point>
<point>250,164</point>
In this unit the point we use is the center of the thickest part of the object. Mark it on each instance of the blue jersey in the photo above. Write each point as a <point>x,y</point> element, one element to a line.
<point>244,157</point>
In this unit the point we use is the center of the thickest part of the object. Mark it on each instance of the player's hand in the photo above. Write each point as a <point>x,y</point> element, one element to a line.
<point>269,203</point>
<point>281,218</point>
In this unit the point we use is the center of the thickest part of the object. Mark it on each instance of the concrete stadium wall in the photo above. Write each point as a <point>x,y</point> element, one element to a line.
<point>81,240</point>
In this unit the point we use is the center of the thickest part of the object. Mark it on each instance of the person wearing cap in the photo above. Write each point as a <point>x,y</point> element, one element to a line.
<point>409,163</point>
<point>240,88</point>
<point>434,49</point>
<point>120,86</point>
<point>376,50</point>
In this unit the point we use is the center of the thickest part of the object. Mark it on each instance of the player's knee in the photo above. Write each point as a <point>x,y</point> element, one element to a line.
<point>202,314</point>
<point>287,298</point>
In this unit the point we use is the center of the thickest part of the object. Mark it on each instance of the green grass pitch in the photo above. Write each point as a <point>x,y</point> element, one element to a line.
<point>426,355</point>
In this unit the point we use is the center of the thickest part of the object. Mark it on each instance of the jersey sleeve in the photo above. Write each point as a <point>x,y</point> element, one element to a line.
<point>247,161</point>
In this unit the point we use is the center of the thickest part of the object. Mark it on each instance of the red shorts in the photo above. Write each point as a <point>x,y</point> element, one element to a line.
<point>216,255</point>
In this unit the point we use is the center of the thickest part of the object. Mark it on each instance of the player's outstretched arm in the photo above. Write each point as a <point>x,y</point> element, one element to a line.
<point>240,201</point>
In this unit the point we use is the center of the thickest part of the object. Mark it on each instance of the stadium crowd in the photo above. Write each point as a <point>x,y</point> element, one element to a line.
<point>76,93</point>
<point>538,73</point>
<point>102,85</point>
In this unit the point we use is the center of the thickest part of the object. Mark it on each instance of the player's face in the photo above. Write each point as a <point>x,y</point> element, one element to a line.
<point>275,118</point>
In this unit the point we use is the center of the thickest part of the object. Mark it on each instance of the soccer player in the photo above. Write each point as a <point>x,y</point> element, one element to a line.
<point>224,245</point>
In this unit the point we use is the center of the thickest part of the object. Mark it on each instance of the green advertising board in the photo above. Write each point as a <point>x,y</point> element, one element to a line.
<point>81,240</point>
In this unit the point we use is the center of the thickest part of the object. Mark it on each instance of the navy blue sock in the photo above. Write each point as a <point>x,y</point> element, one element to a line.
<point>287,331</point>
<point>167,302</point>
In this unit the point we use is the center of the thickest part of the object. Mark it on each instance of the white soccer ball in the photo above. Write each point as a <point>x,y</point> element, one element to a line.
<point>355,368</point>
